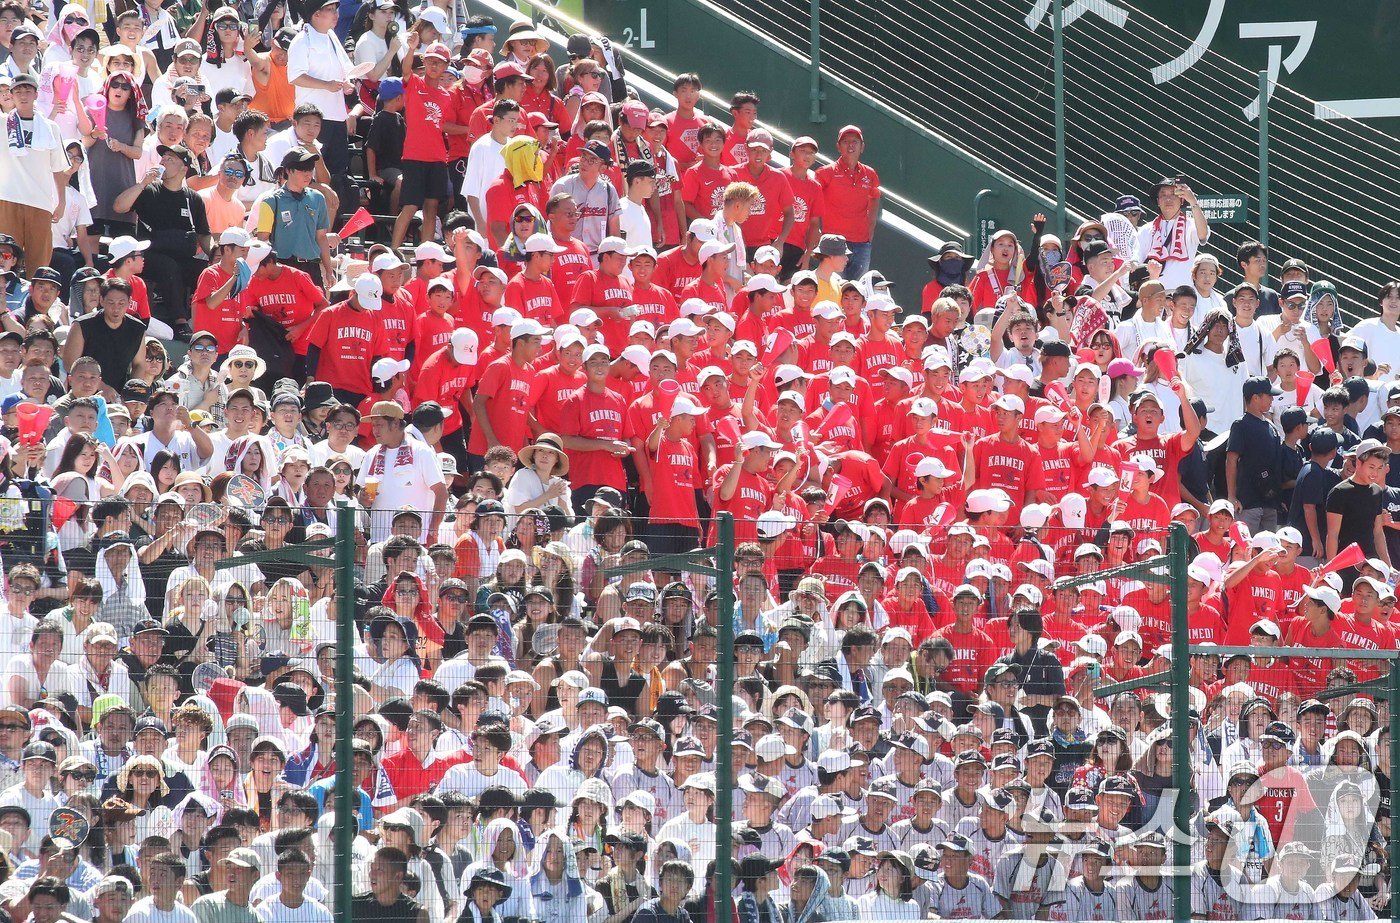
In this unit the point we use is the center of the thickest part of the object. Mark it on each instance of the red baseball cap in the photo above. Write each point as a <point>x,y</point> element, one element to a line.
<point>536,120</point>
<point>850,130</point>
<point>507,69</point>
<point>436,50</point>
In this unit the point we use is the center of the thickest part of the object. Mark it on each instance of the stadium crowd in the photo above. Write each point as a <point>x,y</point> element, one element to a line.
<point>616,323</point>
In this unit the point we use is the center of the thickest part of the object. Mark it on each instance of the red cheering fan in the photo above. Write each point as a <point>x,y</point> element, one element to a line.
<point>1166,363</point>
<point>839,416</point>
<point>839,485</point>
<point>1350,556</point>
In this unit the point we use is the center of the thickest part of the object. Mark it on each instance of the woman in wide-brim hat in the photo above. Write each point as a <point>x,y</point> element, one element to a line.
<point>540,482</point>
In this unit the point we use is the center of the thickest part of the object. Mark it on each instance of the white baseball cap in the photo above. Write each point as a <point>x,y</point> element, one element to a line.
<point>713,248</point>
<point>529,327</point>
<point>684,405</point>
<point>1010,402</point>
<point>694,307</point>
<point>842,375</point>
<point>542,243</point>
<point>369,291</point>
<point>432,250</point>
<point>235,236</point>
<point>1049,413</point>
<point>386,261</point>
<point>931,466</point>
<point>124,246</point>
<point>757,439</point>
<point>386,368</point>
<point>636,354</point>
<point>826,310</point>
<point>683,327</point>
<point>505,317</point>
<point>614,245</point>
<point>762,282</point>
<point>464,346</point>
<point>924,407</point>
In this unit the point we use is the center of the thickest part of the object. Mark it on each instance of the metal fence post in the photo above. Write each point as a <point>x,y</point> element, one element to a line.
<point>347,825</point>
<point>1181,725</point>
<point>1059,30</point>
<point>724,699</point>
<point>1264,157</point>
<point>815,93</point>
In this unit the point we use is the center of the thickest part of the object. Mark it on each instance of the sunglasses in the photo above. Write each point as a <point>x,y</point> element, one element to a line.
<point>234,172</point>
<point>84,776</point>
<point>245,364</point>
<point>277,520</point>
<point>211,349</point>
<point>74,21</point>
<point>342,471</point>
<point>227,25</point>
<point>145,774</point>
<point>406,591</point>
<point>455,597</point>
<point>24,589</point>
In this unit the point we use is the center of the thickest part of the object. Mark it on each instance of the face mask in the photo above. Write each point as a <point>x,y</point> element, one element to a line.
<point>473,75</point>
<point>1050,257</point>
<point>72,29</point>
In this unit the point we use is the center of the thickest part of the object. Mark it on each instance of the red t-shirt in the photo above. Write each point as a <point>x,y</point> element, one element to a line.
<point>702,187</point>
<point>226,321</point>
<point>397,323</point>
<point>973,653</point>
<point>713,294</point>
<point>1312,673</point>
<point>766,216</point>
<point>289,299</point>
<point>463,101</point>
<point>752,497</point>
<point>867,481</point>
<point>345,336</point>
<point>594,416</point>
<point>596,288</point>
<point>535,298</point>
<point>140,299</point>
<point>568,266</point>
<point>548,392</point>
<point>655,305</point>
<point>683,137</point>
<point>432,332</point>
<point>808,205</point>
<point>1058,466</point>
<point>848,193</point>
<point>444,380</point>
<point>506,388</point>
<point>674,476</point>
<point>674,271</point>
<point>424,107</point>
<point>1012,466</point>
<point>1167,453</point>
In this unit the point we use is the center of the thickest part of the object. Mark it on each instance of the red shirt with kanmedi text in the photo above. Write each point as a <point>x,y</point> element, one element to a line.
<point>654,304</point>
<point>848,192</point>
<point>674,476</point>
<point>568,266</point>
<point>752,497</point>
<point>1168,455</point>
<point>289,299</point>
<point>424,107</point>
<point>674,271</point>
<point>867,480</point>
<point>703,187</point>
<point>1311,672</point>
<point>1012,466</point>
<point>596,288</point>
<point>226,321</point>
<point>397,324</point>
<point>590,415</point>
<point>506,388</point>
<point>548,392</point>
<point>432,331</point>
<point>444,380</point>
<point>808,205</point>
<point>345,336</point>
<point>973,653</point>
<point>766,216</point>
<point>713,294</point>
<point>535,298</point>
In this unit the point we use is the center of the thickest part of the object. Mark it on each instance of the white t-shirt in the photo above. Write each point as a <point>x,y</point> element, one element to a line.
<point>634,223</point>
<point>61,678</point>
<point>181,444</point>
<point>320,453</point>
<point>1382,343</point>
<point>1175,273</point>
<point>27,179</point>
<point>484,166</point>
<point>237,74</point>
<point>322,56</point>
<point>370,48</point>
<point>223,143</point>
<point>274,911</point>
<point>407,479</point>
<point>39,810</point>
<point>145,911</point>
<point>465,778</point>
<point>396,674</point>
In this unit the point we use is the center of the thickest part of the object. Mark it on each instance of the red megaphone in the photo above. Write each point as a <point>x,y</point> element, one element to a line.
<point>1322,348</point>
<point>1055,393</point>
<point>666,393</point>
<point>839,485</point>
<point>775,344</point>
<point>33,420</point>
<point>1350,556</point>
<point>1166,363</point>
<point>1304,384</point>
<point>840,415</point>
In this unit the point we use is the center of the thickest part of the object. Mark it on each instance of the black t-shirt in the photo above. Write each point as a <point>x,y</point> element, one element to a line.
<point>1260,471</point>
<point>386,136</point>
<point>1360,507</point>
<point>173,218</point>
<point>367,907</point>
<point>1315,482</point>
<point>113,349</point>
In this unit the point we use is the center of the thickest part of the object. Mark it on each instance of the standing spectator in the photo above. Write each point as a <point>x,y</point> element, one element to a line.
<point>33,174</point>
<point>502,397</point>
<point>485,162</point>
<point>1254,459</point>
<point>172,217</point>
<point>338,351</point>
<point>295,221</point>
<point>598,202</point>
<point>808,207</point>
<point>400,471</point>
<point>319,69</point>
<point>1172,238</point>
<point>852,199</point>
<point>704,181</point>
<point>426,181</point>
<point>1355,506</point>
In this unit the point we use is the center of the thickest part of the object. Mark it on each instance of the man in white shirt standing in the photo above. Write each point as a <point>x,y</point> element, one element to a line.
<point>485,162</point>
<point>33,174</point>
<point>634,216</point>
<point>1173,237</point>
<point>400,471</point>
<point>319,69</point>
